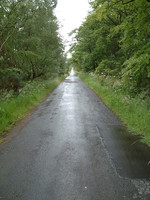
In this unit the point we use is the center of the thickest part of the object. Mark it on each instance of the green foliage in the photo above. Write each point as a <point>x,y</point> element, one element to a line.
<point>107,67</point>
<point>10,79</point>
<point>30,45</point>
<point>115,40</point>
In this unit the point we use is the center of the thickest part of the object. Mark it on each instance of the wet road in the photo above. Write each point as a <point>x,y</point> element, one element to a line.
<point>70,150</point>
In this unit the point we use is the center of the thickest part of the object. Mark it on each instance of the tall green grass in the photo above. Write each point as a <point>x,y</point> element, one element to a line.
<point>14,106</point>
<point>134,112</point>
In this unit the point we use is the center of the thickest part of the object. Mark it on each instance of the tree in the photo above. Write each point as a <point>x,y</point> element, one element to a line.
<point>115,40</point>
<point>30,45</point>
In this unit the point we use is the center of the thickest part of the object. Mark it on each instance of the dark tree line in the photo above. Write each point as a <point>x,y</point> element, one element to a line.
<point>30,45</point>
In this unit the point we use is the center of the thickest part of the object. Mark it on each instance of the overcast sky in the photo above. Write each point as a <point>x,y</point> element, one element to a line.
<point>70,14</point>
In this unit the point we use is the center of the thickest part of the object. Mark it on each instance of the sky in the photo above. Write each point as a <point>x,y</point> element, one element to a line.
<point>70,14</point>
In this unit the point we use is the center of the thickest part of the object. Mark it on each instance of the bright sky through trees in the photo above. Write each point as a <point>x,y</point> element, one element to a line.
<point>70,14</point>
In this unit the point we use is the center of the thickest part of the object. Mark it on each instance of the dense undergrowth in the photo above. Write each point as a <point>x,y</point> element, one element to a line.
<point>134,111</point>
<point>13,106</point>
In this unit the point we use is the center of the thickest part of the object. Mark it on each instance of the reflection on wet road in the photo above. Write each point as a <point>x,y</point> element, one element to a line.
<point>74,148</point>
<point>129,155</point>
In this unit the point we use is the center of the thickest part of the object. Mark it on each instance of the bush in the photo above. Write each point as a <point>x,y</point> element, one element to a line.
<point>11,79</point>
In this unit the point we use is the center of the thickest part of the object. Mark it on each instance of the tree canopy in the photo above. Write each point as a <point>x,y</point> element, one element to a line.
<point>115,40</point>
<point>30,45</point>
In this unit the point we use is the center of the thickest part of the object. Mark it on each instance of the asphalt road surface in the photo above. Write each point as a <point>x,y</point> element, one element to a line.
<point>69,149</point>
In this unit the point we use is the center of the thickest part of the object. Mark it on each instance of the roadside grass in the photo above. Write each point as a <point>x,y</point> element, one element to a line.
<point>134,112</point>
<point>15,106</point>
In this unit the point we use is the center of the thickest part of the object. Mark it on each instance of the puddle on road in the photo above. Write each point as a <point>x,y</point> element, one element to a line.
<point>130,157</point>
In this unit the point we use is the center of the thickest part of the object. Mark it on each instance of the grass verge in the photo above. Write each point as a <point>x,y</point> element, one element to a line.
<point>15,106</point>
<point>134,112</point>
